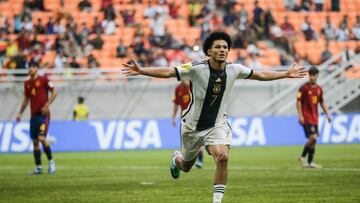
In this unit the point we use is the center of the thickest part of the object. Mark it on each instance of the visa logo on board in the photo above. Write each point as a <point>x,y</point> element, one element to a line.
<point>342,129</point>
<point>127,135</point>
<point>150,134</point>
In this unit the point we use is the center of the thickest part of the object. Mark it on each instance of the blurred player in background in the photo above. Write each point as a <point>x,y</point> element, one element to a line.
<point>205,121</point>
<point>182,99</point>
<point>81,110</point>
<point>309,96</point>
<point>36,90</point>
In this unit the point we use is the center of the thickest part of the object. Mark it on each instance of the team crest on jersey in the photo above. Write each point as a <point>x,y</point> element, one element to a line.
<point>37,84</point>
<point>310,93</point>
<point>217,88</point>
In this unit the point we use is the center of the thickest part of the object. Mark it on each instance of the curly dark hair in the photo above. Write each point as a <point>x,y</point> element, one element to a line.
<point>313,70</point>
<point>34,64</point>
<point>218,35</point>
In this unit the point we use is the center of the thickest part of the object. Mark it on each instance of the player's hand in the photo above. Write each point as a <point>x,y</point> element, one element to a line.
<point>18,117</point>
<point>45,110</point>
<point>301,120</point>
<point>131,69</point>
<point>328,117</point>
<point>295,72</point>
<point>174,122</point>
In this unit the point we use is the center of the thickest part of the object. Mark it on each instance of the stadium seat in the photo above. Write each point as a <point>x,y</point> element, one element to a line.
<point>182,31</point>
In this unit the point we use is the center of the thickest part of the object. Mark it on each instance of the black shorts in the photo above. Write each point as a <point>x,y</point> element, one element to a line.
<point>310,129</point>
<point>39,125</point>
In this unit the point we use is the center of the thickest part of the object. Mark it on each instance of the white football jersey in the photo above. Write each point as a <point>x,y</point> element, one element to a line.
<point>210,92</point>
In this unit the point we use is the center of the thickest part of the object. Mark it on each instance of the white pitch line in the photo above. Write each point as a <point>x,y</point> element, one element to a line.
<point>341,169</point>
<point>135,167</point>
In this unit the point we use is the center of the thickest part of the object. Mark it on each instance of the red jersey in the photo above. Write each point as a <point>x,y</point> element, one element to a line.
<point>182,96</point>
<point>37,90</point>
<point>310,96</point>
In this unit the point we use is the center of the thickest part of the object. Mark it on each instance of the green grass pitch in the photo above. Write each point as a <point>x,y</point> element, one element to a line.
<point>256,175</point>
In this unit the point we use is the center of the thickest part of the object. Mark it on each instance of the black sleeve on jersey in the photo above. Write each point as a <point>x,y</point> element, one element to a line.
<point>251,72</point>
<point>177,74</point>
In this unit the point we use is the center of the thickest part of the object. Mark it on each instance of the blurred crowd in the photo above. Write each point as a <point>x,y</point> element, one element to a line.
<point>153,44</point>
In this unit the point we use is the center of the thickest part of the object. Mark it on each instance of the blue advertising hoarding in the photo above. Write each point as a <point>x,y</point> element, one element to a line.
<point>138,134</point>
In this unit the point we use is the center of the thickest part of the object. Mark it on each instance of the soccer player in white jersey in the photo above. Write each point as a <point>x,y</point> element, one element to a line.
<point>204,122</point>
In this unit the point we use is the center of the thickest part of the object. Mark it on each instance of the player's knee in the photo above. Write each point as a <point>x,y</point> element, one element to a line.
<point>41,138</point>
<point>186,167</point>
<point>43,141</point>
<point>222,157</point>
<point>36,144</point>
<point>313,140</point>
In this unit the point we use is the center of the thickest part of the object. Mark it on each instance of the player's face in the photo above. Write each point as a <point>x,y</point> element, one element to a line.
<point>32,70</point>
<point>219,51</point>
<point>313,78</point>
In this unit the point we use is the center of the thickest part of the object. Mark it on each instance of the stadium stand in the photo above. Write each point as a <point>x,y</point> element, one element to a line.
<point>149,27</point>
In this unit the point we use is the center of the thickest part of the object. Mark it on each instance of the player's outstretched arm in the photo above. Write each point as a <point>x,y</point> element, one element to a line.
<point>292,72</point>
<point>158,72</point>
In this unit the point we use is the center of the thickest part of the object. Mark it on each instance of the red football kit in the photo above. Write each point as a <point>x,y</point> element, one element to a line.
<point>37,90</point>
<point>182,96</point>
<point>310,96</point>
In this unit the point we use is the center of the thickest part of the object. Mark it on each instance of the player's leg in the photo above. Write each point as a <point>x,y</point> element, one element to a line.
<point>305,151</point>
<point>313,131</point>
<point>46,146</point>
<point>34,133</point>
<point>217,144</point>
<point>37,157</point>
<point>184,165</point>
<point>183,160</point>
<point>307,146</point>
<point>191,141</point>
<point>199,161</point>
<point>178,164</point>
<point>48,153</point>
<point>312,143</point>
<point>220,154</point>
<point>312,153</point>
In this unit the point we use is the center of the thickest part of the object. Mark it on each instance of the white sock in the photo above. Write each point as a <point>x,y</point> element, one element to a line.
<point>219,191</point>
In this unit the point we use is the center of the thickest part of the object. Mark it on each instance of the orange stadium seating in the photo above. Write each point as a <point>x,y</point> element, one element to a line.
<point>181,30</point>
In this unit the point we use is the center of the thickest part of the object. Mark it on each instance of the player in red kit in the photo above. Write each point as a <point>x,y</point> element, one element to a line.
<point>309,96</point>
<point>36,90</point>
<point>182,98</point>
